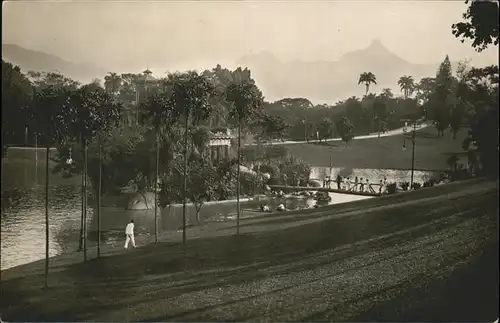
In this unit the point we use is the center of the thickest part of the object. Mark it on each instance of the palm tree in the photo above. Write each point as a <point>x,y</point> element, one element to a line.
<point>162,115</point>
<point>407,85</point>
<point>246,101</point>
<point>112,82</point>
<point>190,96</point>
<point>367,78</point>
<point>387,93</point>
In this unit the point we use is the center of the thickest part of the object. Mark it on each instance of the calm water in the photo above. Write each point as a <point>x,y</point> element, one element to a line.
<point>23,219</point>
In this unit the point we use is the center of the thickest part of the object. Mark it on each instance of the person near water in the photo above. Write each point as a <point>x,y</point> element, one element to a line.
<point>385,185</point>
<point>381,187</point>
<point>339,180</point>
<point>361,185</point>
<point>356,184</point>
<point>368,185</point>
<point>348,184</point>
<point>129,232</point>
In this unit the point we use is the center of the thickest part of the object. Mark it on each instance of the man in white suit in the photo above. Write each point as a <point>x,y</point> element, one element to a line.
<point>129,232</point>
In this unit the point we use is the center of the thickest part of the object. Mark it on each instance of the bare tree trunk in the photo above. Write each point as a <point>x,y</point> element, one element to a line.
<point>198,209</point>
<point>99,189</point>
<point>47,216</point>
<point>238,182</point>
<point>156,185</point>
<point>85,151</point>
<point>184,185</point>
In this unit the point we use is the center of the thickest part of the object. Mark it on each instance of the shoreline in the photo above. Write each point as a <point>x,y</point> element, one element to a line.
<point>170,236</point>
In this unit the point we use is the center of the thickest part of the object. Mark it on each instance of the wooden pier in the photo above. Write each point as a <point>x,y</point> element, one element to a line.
<point>288,188</point>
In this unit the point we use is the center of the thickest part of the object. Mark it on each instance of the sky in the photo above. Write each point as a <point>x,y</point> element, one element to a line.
<point>179,35</point>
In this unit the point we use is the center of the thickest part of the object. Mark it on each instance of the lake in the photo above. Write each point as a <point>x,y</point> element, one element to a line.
<point>23,219</point>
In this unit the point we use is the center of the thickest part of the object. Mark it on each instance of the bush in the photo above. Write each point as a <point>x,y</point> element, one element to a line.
<point>429,183</point>
<point>416,186</point>
<point>391,188</point>
<point>404,186</point>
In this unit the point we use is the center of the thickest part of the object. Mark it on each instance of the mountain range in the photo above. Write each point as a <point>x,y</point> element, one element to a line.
<point>319,81</point>
<point>327,81</point>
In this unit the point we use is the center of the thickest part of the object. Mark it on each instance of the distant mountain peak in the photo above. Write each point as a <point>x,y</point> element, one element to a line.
<point>376,46</point>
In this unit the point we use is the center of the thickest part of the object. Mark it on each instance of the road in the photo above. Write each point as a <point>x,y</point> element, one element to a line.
<point>428,255</point>
<point>394,132</point>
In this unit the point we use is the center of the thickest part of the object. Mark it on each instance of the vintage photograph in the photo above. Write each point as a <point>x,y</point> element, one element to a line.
<point>267,161</point>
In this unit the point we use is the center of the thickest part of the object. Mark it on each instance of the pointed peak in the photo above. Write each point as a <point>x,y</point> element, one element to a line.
<point>376,44</point>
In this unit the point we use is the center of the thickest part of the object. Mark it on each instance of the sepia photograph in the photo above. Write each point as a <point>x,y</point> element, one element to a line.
<point>264,161</point>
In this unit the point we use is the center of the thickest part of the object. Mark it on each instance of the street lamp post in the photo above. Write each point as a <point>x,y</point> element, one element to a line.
<point>156,185</point>
<point>412,153</point>
<point>285,178</point>
<point>47,152</point>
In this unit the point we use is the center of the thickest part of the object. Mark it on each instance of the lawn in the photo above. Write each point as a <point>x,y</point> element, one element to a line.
<point>431,152</point>
<point>390,258</point>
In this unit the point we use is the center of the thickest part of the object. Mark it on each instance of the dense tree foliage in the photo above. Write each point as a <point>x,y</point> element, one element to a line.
<point>16,98</point>
<point>345,129</point>
<point>480,24</point>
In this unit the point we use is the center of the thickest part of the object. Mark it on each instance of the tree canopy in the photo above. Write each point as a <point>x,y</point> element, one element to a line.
<point>480,24</point>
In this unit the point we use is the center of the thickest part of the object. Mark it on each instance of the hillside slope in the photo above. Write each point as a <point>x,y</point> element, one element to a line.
<point>30,60</point>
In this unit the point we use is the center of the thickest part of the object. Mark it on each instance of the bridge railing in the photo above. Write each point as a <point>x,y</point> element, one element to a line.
<point>356,187</point>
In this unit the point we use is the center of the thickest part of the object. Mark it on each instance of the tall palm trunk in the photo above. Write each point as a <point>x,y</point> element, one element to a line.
<point>99,189</point>
<point>156,185</point>
<point>85,151</point>
<point>80,241</point>
<point>47,152</point>
<point>184,185</point>
<point>367,85</point>
<point>238,210</point>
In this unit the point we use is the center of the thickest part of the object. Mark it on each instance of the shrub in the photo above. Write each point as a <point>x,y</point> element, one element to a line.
<point>429,183</point>
<point>416,186</point>
<point>405,185</point>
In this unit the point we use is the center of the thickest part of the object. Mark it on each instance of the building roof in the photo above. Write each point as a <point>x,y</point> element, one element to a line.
<point>148,77</point>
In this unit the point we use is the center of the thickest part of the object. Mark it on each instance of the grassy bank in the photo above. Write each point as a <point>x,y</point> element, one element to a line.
<point>341,262</point>
<point>431,152</point>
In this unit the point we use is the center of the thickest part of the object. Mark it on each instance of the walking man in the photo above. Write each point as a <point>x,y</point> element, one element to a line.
<point>129,232</point>
<point>339,181</point>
